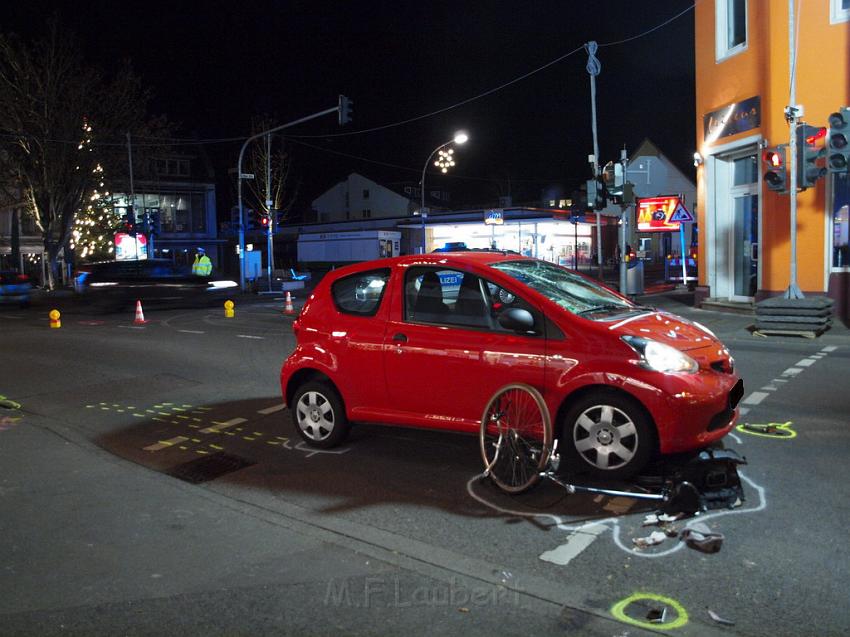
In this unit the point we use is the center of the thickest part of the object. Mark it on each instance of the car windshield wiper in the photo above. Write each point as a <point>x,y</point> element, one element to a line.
<point>611,307</point>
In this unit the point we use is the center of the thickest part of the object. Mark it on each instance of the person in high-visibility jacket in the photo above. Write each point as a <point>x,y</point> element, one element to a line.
<point>202,265</point>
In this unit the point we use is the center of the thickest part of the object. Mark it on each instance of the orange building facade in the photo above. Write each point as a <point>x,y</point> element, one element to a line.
<point>742,89</point>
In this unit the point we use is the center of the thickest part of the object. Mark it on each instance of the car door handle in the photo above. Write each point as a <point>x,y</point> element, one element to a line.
<point>400,338</point>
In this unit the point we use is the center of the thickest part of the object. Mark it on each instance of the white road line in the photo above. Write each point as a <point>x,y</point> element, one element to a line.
<point>219,426</point>
<point>743,410</point>
<point>192,331</point>
<point>792,371</point>
<point>249,336</point>
<point>769,388</point>
<point>271,410</point>
<point>132,327</point>
<point>755,398</point>
<point>162,444</point>
<point>577,541</point>
<point>806,362</point>
<point>11,316</point>
<point>830,348</point>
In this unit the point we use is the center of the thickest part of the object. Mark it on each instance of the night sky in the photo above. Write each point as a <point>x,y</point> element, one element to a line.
<point>212,65</point>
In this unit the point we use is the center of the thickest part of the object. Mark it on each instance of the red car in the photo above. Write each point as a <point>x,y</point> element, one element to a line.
<point>427,340</point>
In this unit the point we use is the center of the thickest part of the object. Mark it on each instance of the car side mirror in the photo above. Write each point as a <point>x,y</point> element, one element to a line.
<point>517,320</point>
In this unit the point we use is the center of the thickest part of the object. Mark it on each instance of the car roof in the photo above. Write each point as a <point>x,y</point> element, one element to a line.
<point>446,259</point>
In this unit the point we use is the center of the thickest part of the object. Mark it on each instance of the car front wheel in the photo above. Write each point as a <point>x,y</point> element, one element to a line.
<point>607,435</point>
<point>319,415</point>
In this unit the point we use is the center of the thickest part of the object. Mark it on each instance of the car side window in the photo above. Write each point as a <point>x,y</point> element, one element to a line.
<point>360,293</point>
<point>459,299</point>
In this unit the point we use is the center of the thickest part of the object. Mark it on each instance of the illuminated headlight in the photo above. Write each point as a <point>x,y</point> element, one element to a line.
<point>220,285</point>
<point>661,357</point>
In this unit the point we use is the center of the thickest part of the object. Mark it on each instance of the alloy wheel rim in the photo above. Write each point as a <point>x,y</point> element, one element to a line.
<point>315,416</point>
<point>605,437</point>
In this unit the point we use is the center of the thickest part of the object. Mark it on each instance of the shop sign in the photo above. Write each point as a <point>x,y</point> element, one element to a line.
<point>495,217</point>
<point>661,214</point>
<point>732,119</point>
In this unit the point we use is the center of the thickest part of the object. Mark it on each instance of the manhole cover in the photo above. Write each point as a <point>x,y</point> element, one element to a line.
<point>209,467</point>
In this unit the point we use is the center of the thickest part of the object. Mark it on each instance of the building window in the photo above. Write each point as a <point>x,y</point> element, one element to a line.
<point>365,193</point>
<point>839,11</point>
<point>731,27</point>
<point>841,221</point>
<point>367,213</point>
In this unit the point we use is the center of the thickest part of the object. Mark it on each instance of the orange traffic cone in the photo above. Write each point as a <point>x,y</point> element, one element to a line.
<point>288,309</point>
<point>140,316</point>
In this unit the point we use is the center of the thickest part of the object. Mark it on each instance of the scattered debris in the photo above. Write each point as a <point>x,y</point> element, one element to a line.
<point>656,537</point>
<point>464,609</point>
<point>698,536</point>
<point>654,519</point>
<point>719,619</point>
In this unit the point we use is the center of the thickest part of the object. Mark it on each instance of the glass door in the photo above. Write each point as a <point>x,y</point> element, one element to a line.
<point>744,228</point>
<point>745,244</point>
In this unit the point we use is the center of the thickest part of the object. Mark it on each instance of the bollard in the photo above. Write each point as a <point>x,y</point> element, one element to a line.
<point>228,309</point>
<point>54,318</point>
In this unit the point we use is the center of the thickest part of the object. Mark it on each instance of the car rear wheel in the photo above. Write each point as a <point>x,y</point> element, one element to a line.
<point>319,415</point>
<point>607,435</point>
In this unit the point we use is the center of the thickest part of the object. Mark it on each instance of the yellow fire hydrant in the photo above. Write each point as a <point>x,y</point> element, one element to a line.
<point>228,309</point>
<point>54,318</point>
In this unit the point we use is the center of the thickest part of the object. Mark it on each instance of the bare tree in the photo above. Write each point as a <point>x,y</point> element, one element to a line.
<point>283,192</point>
<point>60,119</point>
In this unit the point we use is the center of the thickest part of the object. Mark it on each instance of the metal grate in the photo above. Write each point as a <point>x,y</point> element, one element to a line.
<point>209,468</point>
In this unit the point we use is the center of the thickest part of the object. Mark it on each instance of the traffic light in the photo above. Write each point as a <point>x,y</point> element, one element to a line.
<point>578,205</point>
<point>249,220</point>
<point>345,107</point>
<point>838,158</point>
<point>776,171</point>
<point>595,194</point>
<point>130,222</point>
<point>808,153</point>
<point>265,220</point>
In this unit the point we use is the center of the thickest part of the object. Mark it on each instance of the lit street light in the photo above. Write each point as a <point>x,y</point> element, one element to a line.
<point>444,161</point>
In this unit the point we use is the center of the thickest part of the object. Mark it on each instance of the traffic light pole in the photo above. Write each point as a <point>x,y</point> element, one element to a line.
<point>793,291</point>
<point>593,69</point>
<point>239,173</point>
<point>270,244</point>
<point>624,223</point>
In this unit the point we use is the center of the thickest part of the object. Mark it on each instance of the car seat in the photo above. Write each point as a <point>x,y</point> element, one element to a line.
<point>429,306</point>
<point>470,308</point>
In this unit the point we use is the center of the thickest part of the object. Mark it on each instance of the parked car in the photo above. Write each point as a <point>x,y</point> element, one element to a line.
<point>117,284</point>
<point>621,382</point>
<point>14,288</point>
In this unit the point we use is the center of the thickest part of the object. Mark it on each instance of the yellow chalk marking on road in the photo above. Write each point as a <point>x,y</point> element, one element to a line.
<point>219,426</point>
<point>89,406</point>
<point>183,417</point>
<point>185,405</point>
<point>195,426</point>
<point>249,438</point>
<point>163,413</point>
<point>163,444</point>
<point>239,429</point>
<point>217,447</point>
<point>202,452</point>
<point>781,430</point>
<point>182,448</point>
<point>158,419</point>
<point>150,411</point>
<point>139,415</point>
<point>272,442</point>
<point>257,433</point>
<point>618,610</point>
<point>228,433</point>
<point>177,409</point>
<point>196,440</point>
<point>105,408</point>
<point>282,438</point>
<point>167,403</point>
<point>197,419</point>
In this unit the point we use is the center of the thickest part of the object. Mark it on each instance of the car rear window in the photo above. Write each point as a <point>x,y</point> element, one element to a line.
<point>360,293</point>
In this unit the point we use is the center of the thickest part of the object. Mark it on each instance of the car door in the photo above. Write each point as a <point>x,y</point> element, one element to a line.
<point>445,352</point>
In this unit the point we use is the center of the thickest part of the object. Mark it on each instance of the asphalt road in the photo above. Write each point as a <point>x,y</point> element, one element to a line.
<point>393,533</point>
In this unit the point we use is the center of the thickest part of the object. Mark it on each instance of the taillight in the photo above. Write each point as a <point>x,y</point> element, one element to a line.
<point>22,278</point>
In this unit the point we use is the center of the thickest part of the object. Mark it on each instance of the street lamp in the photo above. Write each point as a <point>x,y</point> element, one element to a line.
<point>444,162</point>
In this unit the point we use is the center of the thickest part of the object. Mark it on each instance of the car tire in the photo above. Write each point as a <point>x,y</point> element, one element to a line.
<point>607,435</point>
<point>318,415</point>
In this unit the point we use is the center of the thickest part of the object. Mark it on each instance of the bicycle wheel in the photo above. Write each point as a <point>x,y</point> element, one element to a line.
<point>516,437</point>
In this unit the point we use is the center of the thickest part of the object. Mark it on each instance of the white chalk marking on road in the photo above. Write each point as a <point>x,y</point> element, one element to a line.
<point>192,331</point>
<point>162,444</point>
<point>735,438</point>
<point>219,426</point>
<point>577,541</point>
<point>830,348</point>
<point>743,410</point>
<point>806,362</point>
<point>755,398</point>
<point>779,380</point>
<point>312,451</point>
<point>249,336</point>
<point>132,327</point>
<point>271,410</point>
<point>11,316</point>
<point>769,388</point>
<point>792,371</point>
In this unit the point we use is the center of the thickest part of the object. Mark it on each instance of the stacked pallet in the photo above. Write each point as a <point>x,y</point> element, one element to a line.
<point>778,316</point>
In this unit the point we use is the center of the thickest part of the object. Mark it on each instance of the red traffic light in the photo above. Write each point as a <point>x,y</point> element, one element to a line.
<point>773,158</point>
<point>264,221</point>
<point>819,133</point>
